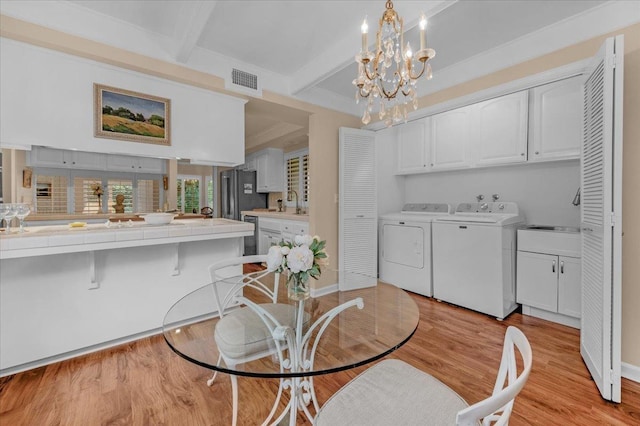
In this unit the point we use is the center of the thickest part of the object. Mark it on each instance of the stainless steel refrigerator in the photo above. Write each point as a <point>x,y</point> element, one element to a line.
<point>239,194</point>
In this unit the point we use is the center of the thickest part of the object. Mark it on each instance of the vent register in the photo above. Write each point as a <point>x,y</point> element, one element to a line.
<point>244,82</point>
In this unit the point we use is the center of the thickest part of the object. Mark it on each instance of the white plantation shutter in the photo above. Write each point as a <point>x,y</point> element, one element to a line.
<point>85,198</point>
<point>358,209</point>
<point>51,194</point>
<point>293,174</point>
<point>147,195</point>
<point>601,217</point>
<point>305,177</point>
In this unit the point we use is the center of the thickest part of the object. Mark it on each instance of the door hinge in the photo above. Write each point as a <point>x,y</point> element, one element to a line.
<point>612,219</point>
<point>612,377</point>
<point>611,61</point>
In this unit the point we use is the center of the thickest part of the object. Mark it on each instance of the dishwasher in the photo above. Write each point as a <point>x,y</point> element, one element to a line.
<point>251,242</point>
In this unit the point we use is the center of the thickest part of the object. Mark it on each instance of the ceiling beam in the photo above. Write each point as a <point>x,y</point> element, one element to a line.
<point>189,27</point>
<point>341,54</point>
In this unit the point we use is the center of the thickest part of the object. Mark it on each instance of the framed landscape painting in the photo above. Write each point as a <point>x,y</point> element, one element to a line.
<point>131,116</point>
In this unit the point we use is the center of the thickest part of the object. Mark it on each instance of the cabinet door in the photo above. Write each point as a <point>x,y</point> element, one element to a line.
<point>449,140</point>
<point>48,157</point>
<point>537,280</point>
<point>413,146</point>
<point>569,288</point>
<point>122,163</point>
<point>150,165</point>
<point>262,164</point>
<point>90,160</point>
<point>556,120</point>
<point>500,134</point>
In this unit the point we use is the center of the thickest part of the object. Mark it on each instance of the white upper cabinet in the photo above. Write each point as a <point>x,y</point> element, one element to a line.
<point>269,165</point>
<point>556,120</point>
<point>450,133</point>
<point>59,158</point>
<point>414,147</point>
<point>127,163</point>
<point>500,130</point>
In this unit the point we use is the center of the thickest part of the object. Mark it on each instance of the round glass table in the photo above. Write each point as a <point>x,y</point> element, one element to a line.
<point>319,335</point>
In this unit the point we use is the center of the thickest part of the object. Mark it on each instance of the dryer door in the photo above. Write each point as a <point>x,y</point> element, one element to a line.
<point>403,245</point>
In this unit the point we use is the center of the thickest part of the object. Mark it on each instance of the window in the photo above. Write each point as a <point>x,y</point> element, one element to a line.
<point>189,194</point>
<point>51,194</point>
<point>94,192</point>
<point>297,176</point>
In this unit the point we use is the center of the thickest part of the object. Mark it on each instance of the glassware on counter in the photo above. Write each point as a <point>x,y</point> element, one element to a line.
<point>22,211</point>
<point>10,211</point>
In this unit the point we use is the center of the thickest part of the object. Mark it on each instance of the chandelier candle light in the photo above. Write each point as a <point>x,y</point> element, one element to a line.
<point>377,76</point>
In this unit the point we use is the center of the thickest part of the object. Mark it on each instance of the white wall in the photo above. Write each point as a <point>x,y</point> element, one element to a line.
<point>543,191</point>
<point>47,99</point>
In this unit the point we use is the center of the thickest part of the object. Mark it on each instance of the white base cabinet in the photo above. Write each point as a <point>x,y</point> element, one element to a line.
<point>273,231</point>
<point>549,275</point>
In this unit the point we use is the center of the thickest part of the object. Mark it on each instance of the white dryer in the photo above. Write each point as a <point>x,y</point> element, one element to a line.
<point>474,257</point>
<point>405,246</point>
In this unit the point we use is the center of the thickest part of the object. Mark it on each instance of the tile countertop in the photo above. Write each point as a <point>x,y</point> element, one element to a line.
<point>54,239</point>
<point>277,215</point>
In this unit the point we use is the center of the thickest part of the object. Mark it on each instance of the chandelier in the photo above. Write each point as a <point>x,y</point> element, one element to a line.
<point>389,73</point>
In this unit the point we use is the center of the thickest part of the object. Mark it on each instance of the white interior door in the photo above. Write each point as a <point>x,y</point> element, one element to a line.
<point>358,229</point>
<point>601,218</point>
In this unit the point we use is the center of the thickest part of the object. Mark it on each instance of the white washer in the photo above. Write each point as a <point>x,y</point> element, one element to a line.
<point>474,257</point>
<point>405,246</point>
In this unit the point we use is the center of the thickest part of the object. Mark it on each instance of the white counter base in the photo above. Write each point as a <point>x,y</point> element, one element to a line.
<point>57,306</point>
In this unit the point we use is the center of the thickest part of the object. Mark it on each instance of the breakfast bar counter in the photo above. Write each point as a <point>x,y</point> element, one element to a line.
<point>66,291</point>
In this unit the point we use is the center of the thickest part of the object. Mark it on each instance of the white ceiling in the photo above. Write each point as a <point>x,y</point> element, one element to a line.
<point>305,49</point>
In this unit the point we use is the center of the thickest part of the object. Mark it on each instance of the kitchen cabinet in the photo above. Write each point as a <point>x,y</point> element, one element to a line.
<point>272,231</point>
<point>500,134</point>
<point>127,163</point>
<point>414,146</point>
<point>249,163</point>
<point>60,158</point>
<point>549,275</point>
<point>269,165</point>
<point>450,133</point>
<point>556,120</point>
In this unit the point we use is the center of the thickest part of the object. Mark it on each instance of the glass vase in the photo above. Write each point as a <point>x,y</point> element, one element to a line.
<point>298,288</point>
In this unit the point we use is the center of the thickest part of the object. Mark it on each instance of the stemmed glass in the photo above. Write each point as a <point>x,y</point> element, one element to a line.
<point>22,211</point>
<point>10,213</point>
<point>4,210</point>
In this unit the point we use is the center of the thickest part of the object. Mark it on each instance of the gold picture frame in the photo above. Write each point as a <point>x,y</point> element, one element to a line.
<point>131,116</point>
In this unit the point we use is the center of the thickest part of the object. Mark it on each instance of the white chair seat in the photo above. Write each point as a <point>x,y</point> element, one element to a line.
<point>241,332</point>
<point>371,399</point>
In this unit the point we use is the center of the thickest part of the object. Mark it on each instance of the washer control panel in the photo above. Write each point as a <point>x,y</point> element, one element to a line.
<point>495,208</point>
<point>427,208</point>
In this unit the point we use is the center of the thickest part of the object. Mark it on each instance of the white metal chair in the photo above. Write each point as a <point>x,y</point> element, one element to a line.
<point>244,334</point>
<point>394,392</point>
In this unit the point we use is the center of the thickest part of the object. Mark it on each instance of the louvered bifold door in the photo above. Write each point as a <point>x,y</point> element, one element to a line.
<point>601,220</point>
<point>358,234</point>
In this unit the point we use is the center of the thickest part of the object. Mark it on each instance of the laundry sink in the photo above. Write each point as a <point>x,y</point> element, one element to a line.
<point>553,228</point>
<point>558,240</point>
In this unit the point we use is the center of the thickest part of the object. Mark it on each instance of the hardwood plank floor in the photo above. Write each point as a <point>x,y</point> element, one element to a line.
<point>145,383</point>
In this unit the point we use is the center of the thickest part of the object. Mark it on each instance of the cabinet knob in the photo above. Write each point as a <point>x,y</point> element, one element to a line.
<point>133,167</point>
<point>522,153</point>
<point>537,153</point>
<point>64,162</point>
<point>562,267</point>
<point>431,164</point>
<point>553,267</point>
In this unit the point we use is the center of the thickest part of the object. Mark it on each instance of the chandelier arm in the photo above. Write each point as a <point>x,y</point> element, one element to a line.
<point>375,74</point>
<point>424,66</point>
<point>391,95</point>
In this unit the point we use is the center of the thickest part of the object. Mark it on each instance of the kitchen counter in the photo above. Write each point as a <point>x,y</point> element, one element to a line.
<point>69,291</point>
<point>277,215</point>
<point>55,239</point>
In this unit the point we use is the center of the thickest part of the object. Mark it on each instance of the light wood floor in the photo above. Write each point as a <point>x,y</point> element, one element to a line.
<point>145,383</point>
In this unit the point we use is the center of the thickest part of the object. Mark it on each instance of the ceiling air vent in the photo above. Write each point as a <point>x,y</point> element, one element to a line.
<point>245,82</point>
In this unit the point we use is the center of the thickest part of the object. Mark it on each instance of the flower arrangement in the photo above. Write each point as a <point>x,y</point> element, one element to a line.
<point>97,189</point>
<point>301,259</point>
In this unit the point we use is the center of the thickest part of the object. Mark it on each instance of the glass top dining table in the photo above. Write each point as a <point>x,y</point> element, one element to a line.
<point>345,329</point>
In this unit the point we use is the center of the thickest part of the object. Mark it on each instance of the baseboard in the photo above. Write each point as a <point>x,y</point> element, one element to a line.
<point>324,290</point>
<point>631,372</point>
